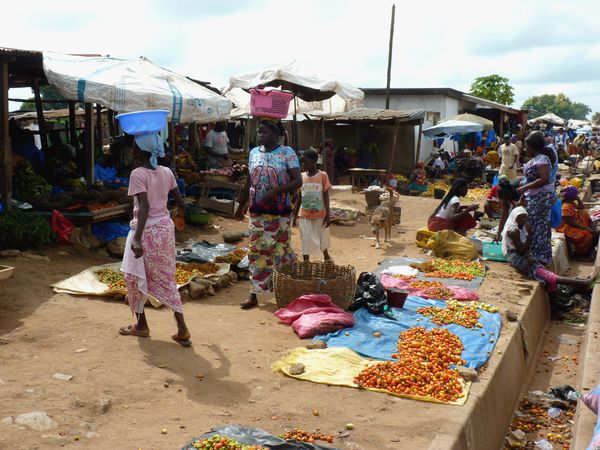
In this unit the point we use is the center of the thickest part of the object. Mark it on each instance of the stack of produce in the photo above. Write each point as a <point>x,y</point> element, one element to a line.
<point>451,268</point>
<point>187,168</point>
<point>423,367</point>
<point>432,289</point>
<point>233,258</point>
<point>218,442</point>
<point>452,314</point>
<point>234,172</point>
<point>24,231</point>
<point>27,184</point>
<point>304,436</point>
<point>433,186</point>
<point>113,279</point>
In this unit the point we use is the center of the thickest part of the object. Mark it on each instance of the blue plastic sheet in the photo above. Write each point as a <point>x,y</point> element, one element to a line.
<point>104,173</point>
<point>477,341</point>
<point>108,231</point>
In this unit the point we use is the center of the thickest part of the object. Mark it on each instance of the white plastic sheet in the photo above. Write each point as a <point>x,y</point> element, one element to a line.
<point>133,85</point>
<point>306,85</point>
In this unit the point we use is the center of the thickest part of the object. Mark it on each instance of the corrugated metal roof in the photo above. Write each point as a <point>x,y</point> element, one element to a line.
<point>20,52</point>
<point>448,92</point>
<point>376,114</point>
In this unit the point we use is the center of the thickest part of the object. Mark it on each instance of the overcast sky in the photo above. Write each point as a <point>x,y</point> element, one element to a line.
<point>543,47</point>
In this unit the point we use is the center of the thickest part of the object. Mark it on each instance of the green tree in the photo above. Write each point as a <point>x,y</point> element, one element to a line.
<point>494,88</point>
<point>559,104</point>
<point>47,93</point>
<point>596,117</point>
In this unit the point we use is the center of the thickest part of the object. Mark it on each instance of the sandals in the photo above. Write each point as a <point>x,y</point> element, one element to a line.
<point>184,341</point>
<point>131,330</point>
<point>248,304</point>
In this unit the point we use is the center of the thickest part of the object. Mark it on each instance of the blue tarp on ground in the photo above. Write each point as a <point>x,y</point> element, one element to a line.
<point>476,341</point>
<point>474,284</point>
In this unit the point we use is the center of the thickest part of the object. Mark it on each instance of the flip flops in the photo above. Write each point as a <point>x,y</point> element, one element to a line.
<point>131,330</point>
<point>182,342</point>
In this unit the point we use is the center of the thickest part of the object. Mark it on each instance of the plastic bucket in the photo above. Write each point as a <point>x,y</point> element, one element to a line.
<point>143,122</point>
<point>396,297</point>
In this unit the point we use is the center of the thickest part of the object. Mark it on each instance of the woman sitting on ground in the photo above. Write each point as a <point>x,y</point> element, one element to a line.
<point>418,178</point>
<point>449,215</point>
<point>516,246</point>
<point>507,198</point>
<point>577,225</point>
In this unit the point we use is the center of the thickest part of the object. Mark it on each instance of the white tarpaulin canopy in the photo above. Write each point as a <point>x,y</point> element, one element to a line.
<point>575,124</point>
<point>487,124</point>
<point>550,119</point>
<point>450,127</point>
<point>305,85</point>
<point>127,85</point>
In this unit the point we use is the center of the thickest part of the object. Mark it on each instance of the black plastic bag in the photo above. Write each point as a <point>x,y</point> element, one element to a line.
<point>562,392</point>
<point>371,294</point>
<point>254,436</point>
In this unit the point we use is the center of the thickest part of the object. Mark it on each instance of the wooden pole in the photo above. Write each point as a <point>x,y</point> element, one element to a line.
<point>99,125</point>
<point>35,84</point>
<point>389,68</point>
<point>72,125</point>
<point>418,153</point>
<point>394,142</point>
<point>323,145</point>
<point>5,150</point>
<point>89,144</point>
<point>112,129</point>
<point>295,127</point>
<point>192,146</point>
<point>172,136</point>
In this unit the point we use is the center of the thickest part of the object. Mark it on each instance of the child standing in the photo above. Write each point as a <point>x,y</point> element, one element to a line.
<point>313,208</point>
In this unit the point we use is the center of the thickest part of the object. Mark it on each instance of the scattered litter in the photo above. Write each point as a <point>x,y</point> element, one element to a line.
<point>37,421</point>
<point>543,444</point>
<point>565,340</point>
<point>553,358</point>
<point>554,413</point>
<point>81,350</point>
<point>62,377</point>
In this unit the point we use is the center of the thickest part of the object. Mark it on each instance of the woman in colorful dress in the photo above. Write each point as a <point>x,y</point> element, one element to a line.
<point>418,178</point>
<point>576,224</point>
<point>274,173</point>
<point>538,189</point>
<point>149,260</point>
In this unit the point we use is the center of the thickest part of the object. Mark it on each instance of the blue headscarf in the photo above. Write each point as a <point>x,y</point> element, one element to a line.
<point>153,144</point>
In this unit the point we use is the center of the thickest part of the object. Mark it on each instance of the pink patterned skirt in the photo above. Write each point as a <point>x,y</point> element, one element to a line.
<point>154,273</point>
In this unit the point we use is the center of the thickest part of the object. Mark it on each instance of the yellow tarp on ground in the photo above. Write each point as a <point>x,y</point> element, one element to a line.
<point>338,366</point>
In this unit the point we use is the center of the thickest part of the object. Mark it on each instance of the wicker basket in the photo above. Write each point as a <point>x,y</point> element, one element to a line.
<point>293,280</point>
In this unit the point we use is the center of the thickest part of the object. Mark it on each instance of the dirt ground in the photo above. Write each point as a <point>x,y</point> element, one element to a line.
<point>153,383</point>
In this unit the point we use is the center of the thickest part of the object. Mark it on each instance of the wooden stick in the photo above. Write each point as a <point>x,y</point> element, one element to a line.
<point>99,124</point>
<point>89,144</point>
<point>112,129</point>
<point>72,125</point>
<point>5,150</point>
<point>389,68</point>
<point>323,145</point>
<point>35,84</point>
<point>394,142</point>
<point>418,152</point>
<point>172,136</point>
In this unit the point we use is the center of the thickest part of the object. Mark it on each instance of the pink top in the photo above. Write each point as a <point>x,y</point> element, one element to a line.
<point>157,184</point>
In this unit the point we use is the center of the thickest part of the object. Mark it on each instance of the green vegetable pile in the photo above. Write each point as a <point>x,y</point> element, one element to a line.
<point>24,231</point>
<point>27,184</point>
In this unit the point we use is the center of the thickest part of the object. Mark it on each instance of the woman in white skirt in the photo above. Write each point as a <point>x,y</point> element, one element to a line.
<point>313,208</point>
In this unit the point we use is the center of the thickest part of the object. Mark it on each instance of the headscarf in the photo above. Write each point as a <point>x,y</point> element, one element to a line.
<point>511,222</point>
<point>153,144</point>
<point>570,193</point>
<point>514,138</point>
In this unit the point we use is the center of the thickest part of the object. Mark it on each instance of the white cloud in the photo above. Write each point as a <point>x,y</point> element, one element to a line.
<point>543,47</point>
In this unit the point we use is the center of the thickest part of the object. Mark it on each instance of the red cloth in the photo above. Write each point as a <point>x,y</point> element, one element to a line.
<point>493,194</point>
<point>62,227</point>
<point>459,292</point>
<point>438,224</point>
<point>314,314</point>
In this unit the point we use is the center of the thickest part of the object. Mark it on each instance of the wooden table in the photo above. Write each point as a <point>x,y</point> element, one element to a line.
<point>204,200</point>
<point>360,177</point>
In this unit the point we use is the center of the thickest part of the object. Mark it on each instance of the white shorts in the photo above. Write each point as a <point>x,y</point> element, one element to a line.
<point>315,237</point>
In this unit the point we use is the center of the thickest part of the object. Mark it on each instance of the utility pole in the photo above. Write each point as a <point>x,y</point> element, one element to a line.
<point>389,68</point>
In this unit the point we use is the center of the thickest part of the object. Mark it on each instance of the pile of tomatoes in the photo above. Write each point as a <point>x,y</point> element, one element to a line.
<point>420,284</point>
<point>451,268</point>
<point>459,315</point>
<point>218,442</point>
<point>300,435</point>
<point>423,366</point>
<point>185,272</point>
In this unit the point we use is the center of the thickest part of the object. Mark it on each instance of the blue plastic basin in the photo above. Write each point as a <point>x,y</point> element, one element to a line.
<point>143,122</point>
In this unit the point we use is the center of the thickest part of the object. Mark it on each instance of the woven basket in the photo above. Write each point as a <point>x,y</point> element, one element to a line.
<point>293,280</point>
